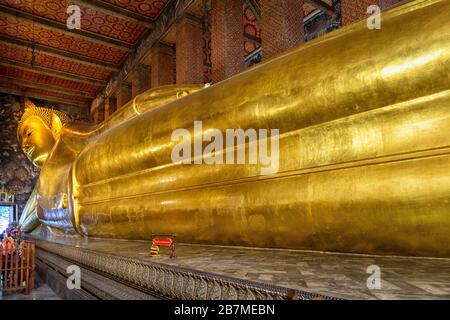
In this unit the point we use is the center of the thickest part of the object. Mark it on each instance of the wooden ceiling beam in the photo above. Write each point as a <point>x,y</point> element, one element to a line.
<point>116,11</point>
<point>59,53</point>
<point>322,6</point>
<point>62,28</point>
<point>51,72</point>
<point>43,97</point>
<point>37,85</point>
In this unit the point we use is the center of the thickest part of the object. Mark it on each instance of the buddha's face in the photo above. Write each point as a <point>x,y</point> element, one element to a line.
<point>36,140</point>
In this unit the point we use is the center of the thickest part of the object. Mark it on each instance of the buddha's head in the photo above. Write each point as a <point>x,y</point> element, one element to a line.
<point>38,130</point>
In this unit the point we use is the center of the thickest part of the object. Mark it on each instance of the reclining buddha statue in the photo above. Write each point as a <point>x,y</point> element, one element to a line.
<point>363,161</point>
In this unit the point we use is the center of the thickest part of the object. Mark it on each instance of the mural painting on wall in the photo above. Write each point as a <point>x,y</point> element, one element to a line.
<point>17,173</point>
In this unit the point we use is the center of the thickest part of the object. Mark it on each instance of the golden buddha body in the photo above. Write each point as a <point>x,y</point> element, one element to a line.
<point>364,163</point>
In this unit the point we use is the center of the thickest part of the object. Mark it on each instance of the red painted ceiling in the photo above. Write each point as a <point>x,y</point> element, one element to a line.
<point>47,80</point>
<point>55,63</point>
<point>107,23</point>
<point>14,28</point>
<point>110,24</point>
<point>148,8</point>
<point>91,20</point>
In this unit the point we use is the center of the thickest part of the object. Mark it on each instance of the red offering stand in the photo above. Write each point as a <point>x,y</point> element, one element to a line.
<point>161,240</point>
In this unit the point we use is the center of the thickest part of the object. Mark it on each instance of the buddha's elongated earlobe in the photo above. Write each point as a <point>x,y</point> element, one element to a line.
<point>56,126</point>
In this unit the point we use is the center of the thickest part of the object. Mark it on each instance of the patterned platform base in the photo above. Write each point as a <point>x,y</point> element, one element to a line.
<point>113,269</point>
<point>52,269</point>
<point>110,276</point>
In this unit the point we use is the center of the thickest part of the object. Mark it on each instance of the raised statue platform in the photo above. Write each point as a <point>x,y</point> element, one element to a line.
<point>115,269</point>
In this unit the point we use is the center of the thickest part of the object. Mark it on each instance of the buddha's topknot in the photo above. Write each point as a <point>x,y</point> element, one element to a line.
<point>44,113</point>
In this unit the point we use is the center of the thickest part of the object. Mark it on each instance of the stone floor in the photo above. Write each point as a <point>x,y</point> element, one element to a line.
<point>339,275</point>
<point>41,292</point>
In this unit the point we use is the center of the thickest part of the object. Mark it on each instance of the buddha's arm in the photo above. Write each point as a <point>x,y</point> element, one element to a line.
<point>29,219</point>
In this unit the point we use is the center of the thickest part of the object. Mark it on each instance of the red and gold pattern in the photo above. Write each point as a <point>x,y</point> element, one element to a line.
<point>91,20</point>
<point>15,53</point>
<point>148,8</point>
<point>12,27</point>
<point>46,61</point>
<point>54,63</point>
<point>206,51</point>
<point>251,28</point>
<point>47,80</point>
<point>207,77</point>
<point>8,85</point>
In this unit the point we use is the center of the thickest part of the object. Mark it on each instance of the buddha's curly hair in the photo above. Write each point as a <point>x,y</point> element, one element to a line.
<point>44,113</point>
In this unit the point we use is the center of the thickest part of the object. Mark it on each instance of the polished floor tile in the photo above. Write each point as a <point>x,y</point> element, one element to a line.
<point>41,292</point>
<point>339,275</point>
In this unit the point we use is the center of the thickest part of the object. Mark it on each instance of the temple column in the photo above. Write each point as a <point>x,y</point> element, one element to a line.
<point>112,105</point>
<point>123,95</point>
<point>385,4</point>
<point>227,38</point>
<point>140,80</point>
<point>100,114</point>
<point>189,51</point>
<point>353,11</point>
<point>107,109</point>
<point>162,65</point>
<point>281,26</point>
<point>95,116</point>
